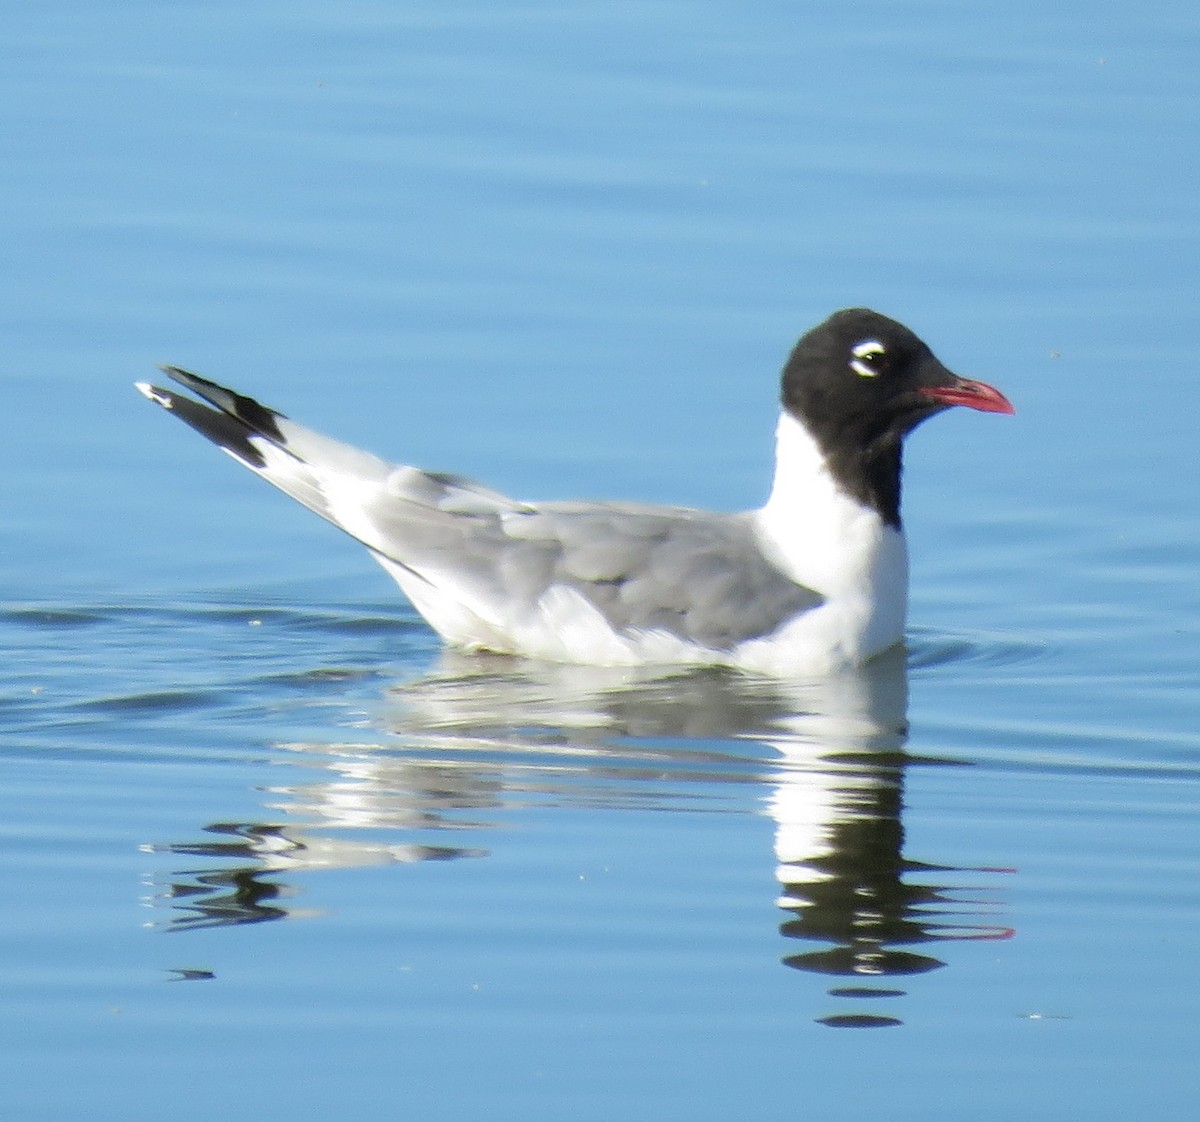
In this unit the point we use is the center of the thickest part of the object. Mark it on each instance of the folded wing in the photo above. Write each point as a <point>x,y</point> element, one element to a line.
<point>461,550</point>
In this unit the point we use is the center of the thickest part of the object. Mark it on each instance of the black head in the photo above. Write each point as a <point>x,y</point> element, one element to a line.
<point>860,383</point>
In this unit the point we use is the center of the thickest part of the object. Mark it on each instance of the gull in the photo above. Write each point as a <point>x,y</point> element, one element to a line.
<point>814,579</point>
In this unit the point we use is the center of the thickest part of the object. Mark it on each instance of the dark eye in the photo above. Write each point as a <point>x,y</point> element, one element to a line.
<point>868,358</point>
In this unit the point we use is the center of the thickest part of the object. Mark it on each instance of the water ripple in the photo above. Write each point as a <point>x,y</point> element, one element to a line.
<point>165,701</point>
<point>928,648</point>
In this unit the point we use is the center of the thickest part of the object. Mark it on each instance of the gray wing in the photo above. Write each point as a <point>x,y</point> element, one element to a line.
<point>698,575</point>
<point>693,574</point>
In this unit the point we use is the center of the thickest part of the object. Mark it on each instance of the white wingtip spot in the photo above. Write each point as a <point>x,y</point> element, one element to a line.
<point>159,397</point>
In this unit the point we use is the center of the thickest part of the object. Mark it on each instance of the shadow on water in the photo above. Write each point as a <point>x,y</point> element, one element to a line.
<point>458,751</point>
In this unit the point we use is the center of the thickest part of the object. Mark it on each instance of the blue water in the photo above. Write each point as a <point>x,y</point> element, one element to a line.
<point>268,849</point>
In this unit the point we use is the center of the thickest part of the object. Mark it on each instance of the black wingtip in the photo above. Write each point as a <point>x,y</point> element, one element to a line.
<point>223,428</point>
<point>250,412</point>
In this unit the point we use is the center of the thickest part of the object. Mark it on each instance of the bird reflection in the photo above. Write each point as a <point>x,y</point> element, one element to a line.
<point>479,737</point>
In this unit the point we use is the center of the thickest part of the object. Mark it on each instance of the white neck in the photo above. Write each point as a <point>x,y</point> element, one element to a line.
<point>824,539</point>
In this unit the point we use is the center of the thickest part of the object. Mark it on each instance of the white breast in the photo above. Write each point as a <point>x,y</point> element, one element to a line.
<point>823,539</point>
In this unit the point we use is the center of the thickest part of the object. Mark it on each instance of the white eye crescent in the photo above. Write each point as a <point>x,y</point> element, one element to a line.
<point>866,357</point>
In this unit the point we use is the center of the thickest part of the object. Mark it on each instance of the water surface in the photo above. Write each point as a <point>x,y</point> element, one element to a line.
<point>268,848</point>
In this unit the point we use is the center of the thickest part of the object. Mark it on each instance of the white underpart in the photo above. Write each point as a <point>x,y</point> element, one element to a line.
<point>443,604</point>
<point>560,627</point>
<point>827,541</point>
